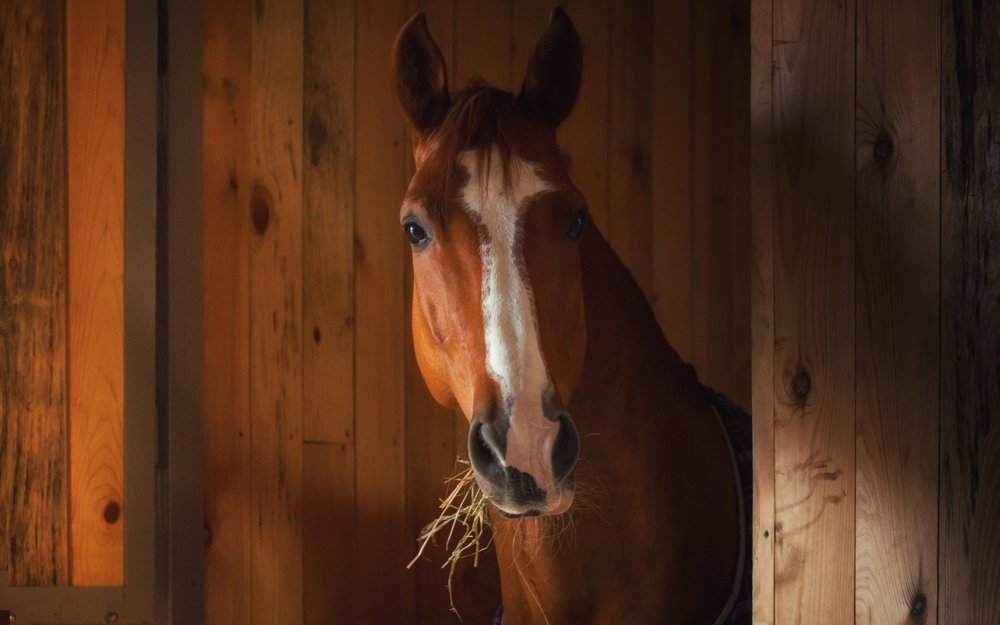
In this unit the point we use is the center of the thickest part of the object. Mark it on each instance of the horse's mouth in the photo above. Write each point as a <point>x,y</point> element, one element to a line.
<point>514,515</point>
<point>513,505</point>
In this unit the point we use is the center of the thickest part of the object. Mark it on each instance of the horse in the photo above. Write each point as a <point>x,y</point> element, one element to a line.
<point>525,319</point>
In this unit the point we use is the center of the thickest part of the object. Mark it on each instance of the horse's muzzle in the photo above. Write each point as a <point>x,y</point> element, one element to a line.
<point>541,483</point>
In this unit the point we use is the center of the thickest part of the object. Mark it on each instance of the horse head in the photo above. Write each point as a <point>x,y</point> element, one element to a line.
<point>495,226</point>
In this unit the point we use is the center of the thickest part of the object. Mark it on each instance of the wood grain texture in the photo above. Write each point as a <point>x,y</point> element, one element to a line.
<point>629,140</point>
<point>672,88</point>
<point>382,542</point>
<point>275,213</point>
<point>227,181</point>
<point>762,308</point>
<point>897,242</point>
<point>483,45</point>
<point>95,85</point>
<point>970,306</point>
<point>813,117</point>
<point>328,525</point>
<point>34,489</point>
<point>719,290</point>
<point>734,146</point>
<point>328,222</point>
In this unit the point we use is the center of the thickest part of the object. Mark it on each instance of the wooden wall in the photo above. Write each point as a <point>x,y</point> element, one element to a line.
<point>875,289</point>
<point>873,296</point>
<point>324,454</point>
<point>62,124</point>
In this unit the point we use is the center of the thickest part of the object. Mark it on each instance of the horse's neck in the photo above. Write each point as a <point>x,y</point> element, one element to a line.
<point>636,407</point>
<point>621,324</point>
<point>629,362</point>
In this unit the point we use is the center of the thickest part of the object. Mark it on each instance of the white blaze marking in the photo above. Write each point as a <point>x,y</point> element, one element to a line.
<point>513,354</point>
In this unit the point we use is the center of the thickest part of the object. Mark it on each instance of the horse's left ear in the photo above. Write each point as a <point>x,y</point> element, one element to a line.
<point>553,79</point>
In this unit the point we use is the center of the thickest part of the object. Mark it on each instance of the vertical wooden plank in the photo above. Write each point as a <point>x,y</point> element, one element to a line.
<point>733,351</point>
<point>708,183</point>
<point>719,248</point>
<point>897,230</point>
<point>95,86</point>
<point>275,213</point>
<point>672,135</point>
<point>584,135</point>
<point>762,306</point>
<point>328,228</point>
<point>34,493</point>
<point>483,44</point>
<point>328,312</point>
<point>813,117</point>
<point>629,181</point>
<point>382,541</point>
<point>227,179</point>
<point>970,335</point>
<point>328,529</point>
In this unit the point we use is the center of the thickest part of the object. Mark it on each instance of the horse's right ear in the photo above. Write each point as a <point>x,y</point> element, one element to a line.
<point>421,77</point>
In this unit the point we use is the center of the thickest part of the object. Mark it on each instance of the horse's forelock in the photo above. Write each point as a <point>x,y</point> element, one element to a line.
<point>486,121</point>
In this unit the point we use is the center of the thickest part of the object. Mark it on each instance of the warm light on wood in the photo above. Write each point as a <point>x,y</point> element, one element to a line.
<point>95,80</point>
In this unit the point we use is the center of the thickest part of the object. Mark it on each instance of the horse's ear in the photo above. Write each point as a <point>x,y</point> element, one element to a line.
<point>553,79</point>
<point>421,77</point>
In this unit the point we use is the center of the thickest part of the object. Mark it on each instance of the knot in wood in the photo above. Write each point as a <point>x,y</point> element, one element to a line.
<point>918,607</point>
<point>260,208</point>
<point>884,148</point>
<point>112,512</point>
<point>637,160</point>
<point>801,385</point>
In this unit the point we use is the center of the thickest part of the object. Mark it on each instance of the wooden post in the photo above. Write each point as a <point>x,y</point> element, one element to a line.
<point>34,489</point>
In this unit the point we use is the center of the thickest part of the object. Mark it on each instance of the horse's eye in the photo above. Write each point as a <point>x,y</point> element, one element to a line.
<point>417,235</point>
<point>576,226</point>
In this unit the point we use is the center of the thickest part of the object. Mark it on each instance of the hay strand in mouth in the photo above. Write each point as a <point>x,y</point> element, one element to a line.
<point>463,515</point>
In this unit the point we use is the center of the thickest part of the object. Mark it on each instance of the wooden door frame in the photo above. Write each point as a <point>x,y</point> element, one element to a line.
<point>163,535</point>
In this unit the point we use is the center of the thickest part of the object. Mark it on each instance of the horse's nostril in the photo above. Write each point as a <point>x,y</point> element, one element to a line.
<point>566,449</point>
<point>483,453</point>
